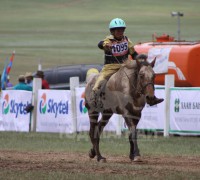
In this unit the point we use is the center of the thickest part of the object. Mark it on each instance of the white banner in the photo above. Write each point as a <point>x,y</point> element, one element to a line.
<point>153,116</point>
<point>83,122</point>
<point>185,110</point>
<point>162,58</point>
<point>54,111</point>
<point>14,115</point>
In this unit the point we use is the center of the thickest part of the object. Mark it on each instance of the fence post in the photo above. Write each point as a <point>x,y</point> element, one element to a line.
<point>74,82</point>
<point>37,84</point>
<point>169,82</point>
<point>119,126</point>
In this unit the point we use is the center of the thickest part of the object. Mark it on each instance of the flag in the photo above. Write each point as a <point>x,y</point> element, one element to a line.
<point>4,76</point>
<point>10,63</point>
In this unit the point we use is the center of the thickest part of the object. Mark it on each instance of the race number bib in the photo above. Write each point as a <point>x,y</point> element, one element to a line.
<point>120,49</point>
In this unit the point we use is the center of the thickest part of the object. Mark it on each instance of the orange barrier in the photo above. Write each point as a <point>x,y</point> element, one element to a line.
<point>184,60</point>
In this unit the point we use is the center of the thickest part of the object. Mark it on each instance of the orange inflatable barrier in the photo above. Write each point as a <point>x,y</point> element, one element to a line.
<point>183,61</point>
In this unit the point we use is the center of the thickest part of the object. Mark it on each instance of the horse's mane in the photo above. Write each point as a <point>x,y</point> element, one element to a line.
<point>132,64</point>
<point>144,63</point>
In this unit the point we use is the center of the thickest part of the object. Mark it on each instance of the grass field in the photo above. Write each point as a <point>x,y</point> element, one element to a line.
<point>56,156</point>
<point>67,31</point>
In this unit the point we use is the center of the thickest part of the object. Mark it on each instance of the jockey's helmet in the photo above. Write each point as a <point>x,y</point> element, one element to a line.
<point>117,23</point>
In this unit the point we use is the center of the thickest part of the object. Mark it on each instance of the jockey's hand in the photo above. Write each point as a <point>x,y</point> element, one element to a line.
<point>108,47</point>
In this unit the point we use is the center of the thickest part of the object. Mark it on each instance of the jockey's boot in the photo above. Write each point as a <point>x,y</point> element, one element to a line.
<point>154,100</point>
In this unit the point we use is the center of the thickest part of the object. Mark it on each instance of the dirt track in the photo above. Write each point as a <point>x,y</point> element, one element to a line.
<point>80,163</point>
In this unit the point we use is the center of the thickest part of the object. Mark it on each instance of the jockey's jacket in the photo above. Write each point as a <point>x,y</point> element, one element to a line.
<point>120,50</point>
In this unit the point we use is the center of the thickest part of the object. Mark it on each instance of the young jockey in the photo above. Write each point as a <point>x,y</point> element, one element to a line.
<point>117,47</point>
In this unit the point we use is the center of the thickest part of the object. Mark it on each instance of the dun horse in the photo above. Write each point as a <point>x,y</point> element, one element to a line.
<point>125,93</point>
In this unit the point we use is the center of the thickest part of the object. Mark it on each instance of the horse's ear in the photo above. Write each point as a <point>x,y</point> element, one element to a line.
<point>153,62</point>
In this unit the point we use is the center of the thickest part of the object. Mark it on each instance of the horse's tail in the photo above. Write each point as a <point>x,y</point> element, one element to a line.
<point>91,73</point>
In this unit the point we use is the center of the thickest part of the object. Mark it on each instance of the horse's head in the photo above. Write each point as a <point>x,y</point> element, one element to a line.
<point>146,76</point>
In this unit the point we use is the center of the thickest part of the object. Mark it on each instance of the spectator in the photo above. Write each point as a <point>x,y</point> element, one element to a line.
<point>45,84</point>
<point>29,79</point>
<point>8,83</point>
<point>22,85</point>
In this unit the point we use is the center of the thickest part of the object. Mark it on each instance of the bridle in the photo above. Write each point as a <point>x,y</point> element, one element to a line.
<point>139,87</point>
<point>144,87</point>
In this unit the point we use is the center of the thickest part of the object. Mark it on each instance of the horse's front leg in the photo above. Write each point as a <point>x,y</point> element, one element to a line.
<point>134,150</point>
<point>93,116</point>
<point>96,128</point>
<point>102,123</point>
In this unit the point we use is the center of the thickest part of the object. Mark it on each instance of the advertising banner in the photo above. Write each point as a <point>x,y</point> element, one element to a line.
<point>54,111</point>
<point>1,118</point>
<point>185,110</point>
<point>15,118</point>
<point>162,59</point>
<point>83,123</point>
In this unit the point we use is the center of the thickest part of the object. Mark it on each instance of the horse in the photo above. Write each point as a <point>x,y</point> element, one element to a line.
<point>124,93</point>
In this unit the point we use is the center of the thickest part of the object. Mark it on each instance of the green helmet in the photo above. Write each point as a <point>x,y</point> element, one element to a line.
<point>117,23</point>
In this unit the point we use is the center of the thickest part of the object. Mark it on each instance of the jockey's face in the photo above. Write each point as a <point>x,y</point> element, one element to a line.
<point>118,33</point>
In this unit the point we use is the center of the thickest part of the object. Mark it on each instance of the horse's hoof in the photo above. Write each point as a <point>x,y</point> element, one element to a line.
<point>101,159</point>
<point>92,153</point>
<point>131,157</point>
<point>137,159</point>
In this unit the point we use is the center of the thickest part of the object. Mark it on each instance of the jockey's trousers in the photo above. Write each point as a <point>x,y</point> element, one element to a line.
<point>107,71</point>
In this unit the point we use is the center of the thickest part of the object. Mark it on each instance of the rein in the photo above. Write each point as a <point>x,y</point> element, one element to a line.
<point>125,74</point>
<point>131,84</point>
<point>141,92</point>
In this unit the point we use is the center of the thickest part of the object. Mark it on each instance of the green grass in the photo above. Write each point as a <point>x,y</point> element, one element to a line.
<point>67,32</point>
<point>75,176</point>
<point>157,145</point>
